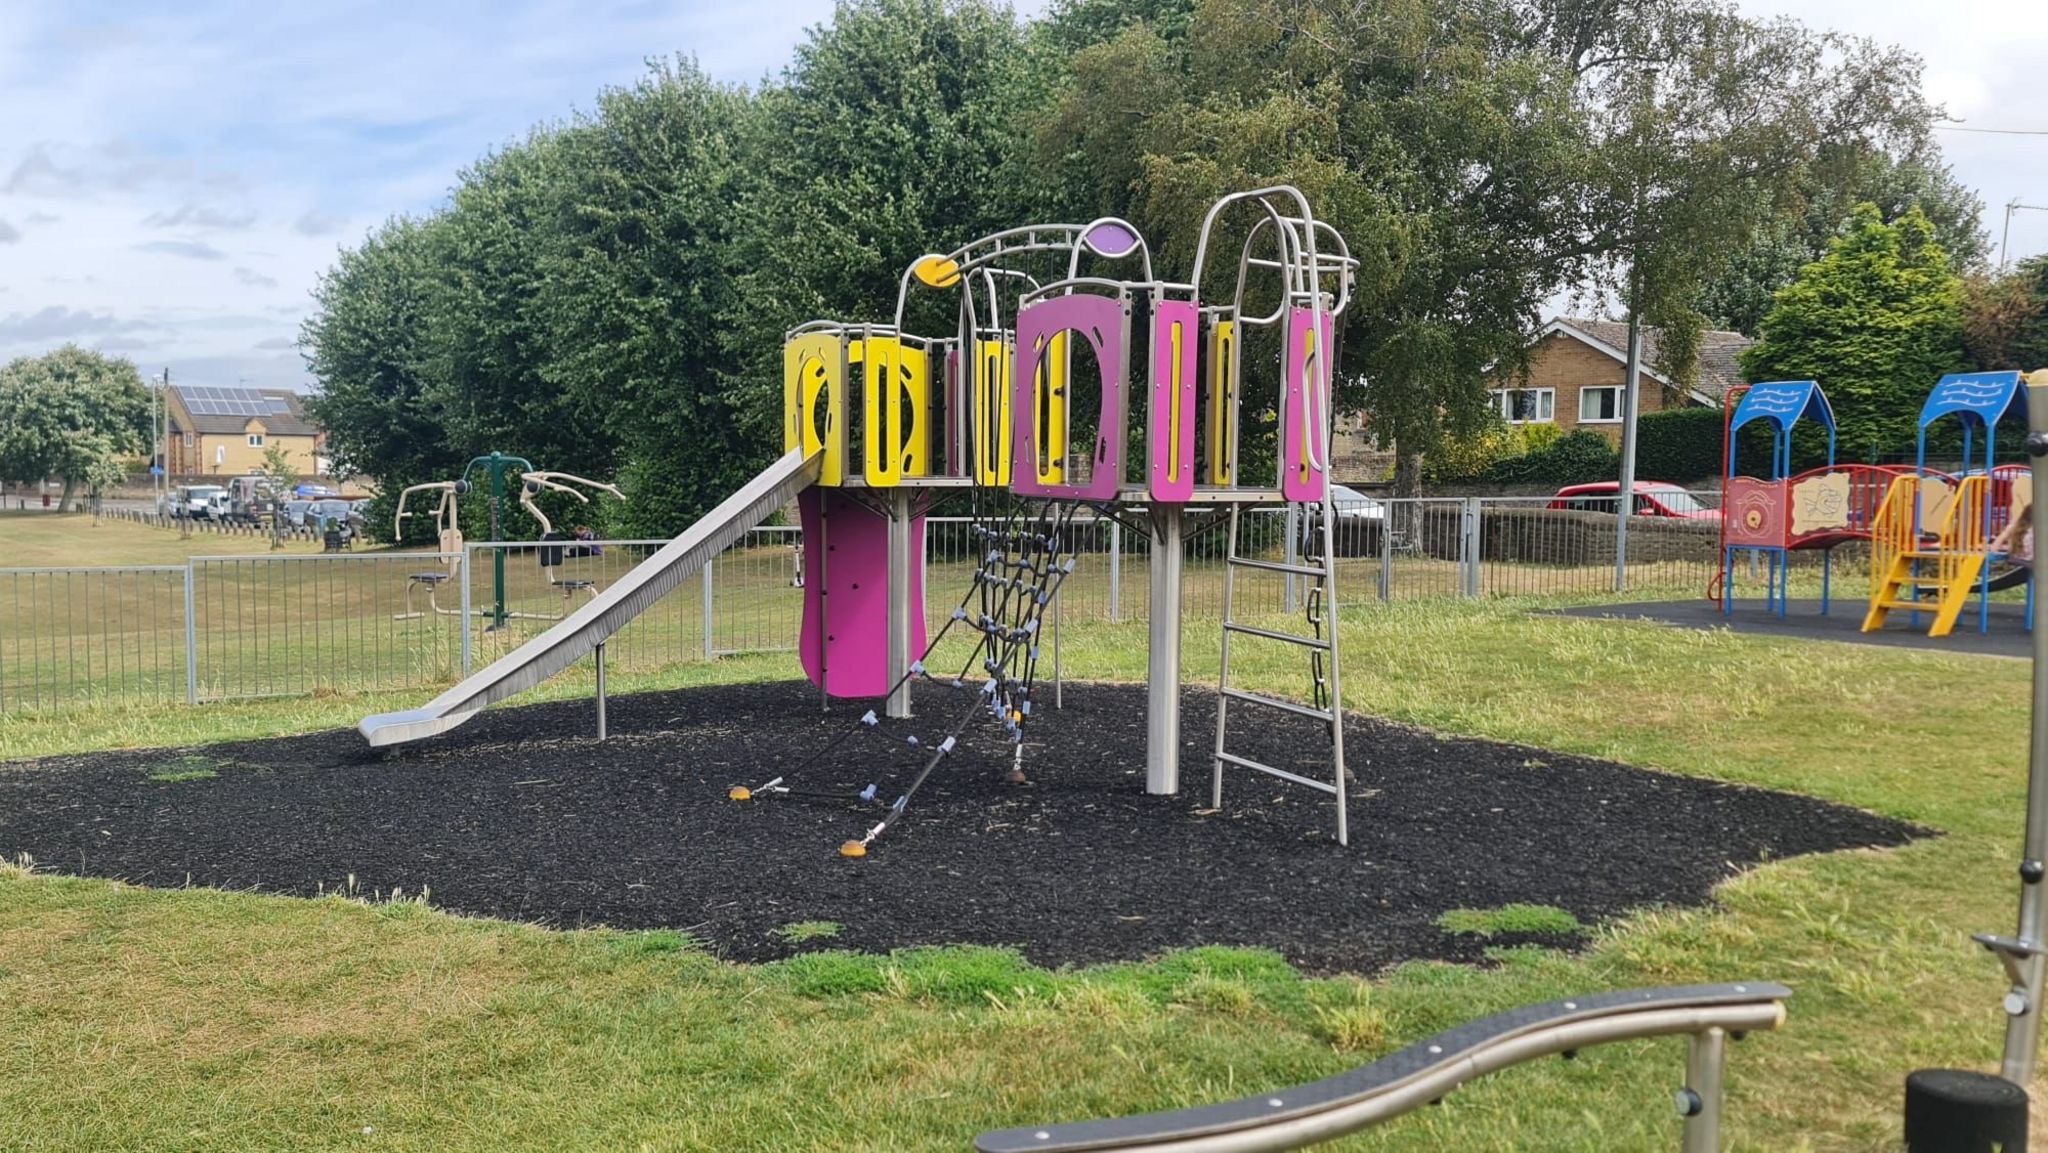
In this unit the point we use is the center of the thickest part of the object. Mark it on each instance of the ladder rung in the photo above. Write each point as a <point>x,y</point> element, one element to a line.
<point>1269,634</point>
<point>1279,566</point>
<point>1277,703</point>
<point>1283,774</point>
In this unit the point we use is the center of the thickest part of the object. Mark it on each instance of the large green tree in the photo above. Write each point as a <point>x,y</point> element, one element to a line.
<point>2005,317</point>
<point>71,414</point>
<point>1876,321</point>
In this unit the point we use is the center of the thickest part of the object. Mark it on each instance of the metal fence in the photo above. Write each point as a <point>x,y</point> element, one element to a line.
<point>223,627</point>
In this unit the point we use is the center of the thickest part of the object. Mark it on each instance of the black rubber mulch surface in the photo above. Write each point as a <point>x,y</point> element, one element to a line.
<point>520,815</point>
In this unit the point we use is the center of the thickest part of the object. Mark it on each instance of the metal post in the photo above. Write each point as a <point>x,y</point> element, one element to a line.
<point>1116,569</point>
<point>1162,728</point>
<point>710,606</point>
<point>466,640</point>
<point>1389,511</point>
<point>1625,496</point>
<point>1059,682</point>
<point>1291,553</point>
<point>1700,1101</point>
<point>191,641</point>
<point>900,546</point>
<point>1468,546</point>
<point>599,655</point>
<point>2023,1005</point>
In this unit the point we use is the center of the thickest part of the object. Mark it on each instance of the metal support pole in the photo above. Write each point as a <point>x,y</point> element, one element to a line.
<point>463,566</point>
<point>710,611</point>
<point>1291,553</point>
<point>1059,683</point>
<point>1700,1101</point>
<point>1116,569</point>
<point>900,546</point>
<point>1162,728</point>
<point>1389,511</point>
<point>2026,964</point>
<point>191,641</point>
<point>1468,546</point>
<point>598,654</point>
<point>1625,496</point>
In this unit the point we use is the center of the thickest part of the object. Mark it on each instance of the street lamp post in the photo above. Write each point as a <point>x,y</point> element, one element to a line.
<point>2012,206</point>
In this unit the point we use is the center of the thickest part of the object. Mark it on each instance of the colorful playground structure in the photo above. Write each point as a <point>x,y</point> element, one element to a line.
<point>1052,370</point>
<point>1929,532</point>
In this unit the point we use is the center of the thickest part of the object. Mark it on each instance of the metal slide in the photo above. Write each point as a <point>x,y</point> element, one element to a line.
<point>594,623</point>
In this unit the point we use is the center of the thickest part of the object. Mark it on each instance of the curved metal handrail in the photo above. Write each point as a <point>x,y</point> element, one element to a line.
<point>1427,1070</point>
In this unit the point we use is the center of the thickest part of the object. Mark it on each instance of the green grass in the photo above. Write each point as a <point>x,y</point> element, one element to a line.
<point>202,1020</point>
<point>1508,920</point>
<point>802,932</point>
<point>186,768</point>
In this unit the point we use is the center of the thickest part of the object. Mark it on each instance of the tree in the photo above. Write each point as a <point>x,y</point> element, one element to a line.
<point>279,477</point>
<point>2005,317</point>
<point>1876,321</point>
<point>71,414</point>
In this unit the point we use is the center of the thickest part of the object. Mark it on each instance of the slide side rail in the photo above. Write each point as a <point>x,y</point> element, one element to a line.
<point>1426,1071</point>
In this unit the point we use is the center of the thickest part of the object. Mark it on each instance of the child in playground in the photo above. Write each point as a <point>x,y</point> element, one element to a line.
<point>2016,539</point>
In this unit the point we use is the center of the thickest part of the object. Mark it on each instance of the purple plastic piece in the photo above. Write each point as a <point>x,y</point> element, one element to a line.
<point>1300,479</point>
<point>1110,238</point>
<point>855,626</point>
<point>1099,320</point>
<point>1170,443</point>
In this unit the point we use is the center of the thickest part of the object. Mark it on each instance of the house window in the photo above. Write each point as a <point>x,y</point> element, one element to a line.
<point>1527,405</point>
<point>255,440</point>
<point>1600,405</point>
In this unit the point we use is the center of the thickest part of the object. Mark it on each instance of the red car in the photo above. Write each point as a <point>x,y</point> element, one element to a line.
<point>1653,498</point>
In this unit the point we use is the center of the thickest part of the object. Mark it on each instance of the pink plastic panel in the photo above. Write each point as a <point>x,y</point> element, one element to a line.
<point>1753,512</point>
<point>1170,439</point>
<point>1100,321</point>
<point>1300,479</point>
<point>853,620</point>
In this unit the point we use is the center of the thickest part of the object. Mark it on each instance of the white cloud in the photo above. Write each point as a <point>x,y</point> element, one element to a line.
<point>200,217</point>
<point>255,279</point>
<point>190,249</point>
<point>8,233</point>
<point>57,324</point>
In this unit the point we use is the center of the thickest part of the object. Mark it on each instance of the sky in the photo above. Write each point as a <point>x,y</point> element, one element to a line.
<point>175,177</point>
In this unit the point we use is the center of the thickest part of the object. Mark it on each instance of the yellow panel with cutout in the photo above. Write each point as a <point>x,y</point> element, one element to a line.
<point>1220,438</point>
<point>989,401</point>
<point>896,405</point>
<point>814,400</point>
<point>1049,412</point>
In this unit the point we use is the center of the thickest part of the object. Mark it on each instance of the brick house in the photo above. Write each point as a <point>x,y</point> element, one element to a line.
<point>218,431</point>
<point>1578,366</point>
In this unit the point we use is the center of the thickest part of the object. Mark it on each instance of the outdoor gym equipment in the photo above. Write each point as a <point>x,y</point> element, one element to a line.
<point>532,484</point>
<point>447,516</point>
<point>1929,549</point>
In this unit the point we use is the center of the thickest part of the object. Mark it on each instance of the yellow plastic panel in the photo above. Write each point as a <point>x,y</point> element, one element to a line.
<point>989,386</point>
<point>1049,405</point>
<point>814,375</point>
<point>1222,391</point>
<point>897,403</point>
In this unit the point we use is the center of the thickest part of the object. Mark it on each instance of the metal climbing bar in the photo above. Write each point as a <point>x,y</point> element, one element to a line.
<point>1303,1115</point>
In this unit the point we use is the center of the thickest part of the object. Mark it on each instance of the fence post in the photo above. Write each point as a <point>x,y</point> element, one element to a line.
<point>710,609</point>
<point>191,641</point>
<point>463,564</point>
<point>1468,545</point>
<point>1389,513</point>
<point>1116,569</point>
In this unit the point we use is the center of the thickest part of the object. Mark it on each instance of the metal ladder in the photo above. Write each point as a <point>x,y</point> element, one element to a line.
<point>1320,572</point>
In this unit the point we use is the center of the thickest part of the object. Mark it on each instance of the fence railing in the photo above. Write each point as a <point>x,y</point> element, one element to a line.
<point>223,627</point>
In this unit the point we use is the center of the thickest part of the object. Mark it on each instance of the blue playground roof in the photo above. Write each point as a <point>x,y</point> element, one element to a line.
<point>1784,403</point>
<point>1979,396</point>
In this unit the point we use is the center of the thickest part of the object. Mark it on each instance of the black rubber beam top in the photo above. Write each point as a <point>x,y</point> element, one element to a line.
<point>1366,1080</point>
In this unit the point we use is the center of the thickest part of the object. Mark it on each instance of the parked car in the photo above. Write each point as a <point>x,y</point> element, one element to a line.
<point>294,512</point>
<point>198,501</point>
<point>329,511</point>
<point>250,499</point>
<point>1654,498</point>
<point>1360,520</point>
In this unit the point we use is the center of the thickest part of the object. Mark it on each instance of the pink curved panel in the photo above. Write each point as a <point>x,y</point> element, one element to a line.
<point>847,605</point>
<point>1170,431</point>
<point>1300,479</point>
<point>1100,321</point>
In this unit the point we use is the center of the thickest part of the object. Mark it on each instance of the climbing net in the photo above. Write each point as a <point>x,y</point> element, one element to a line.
<point>1023,557</point>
